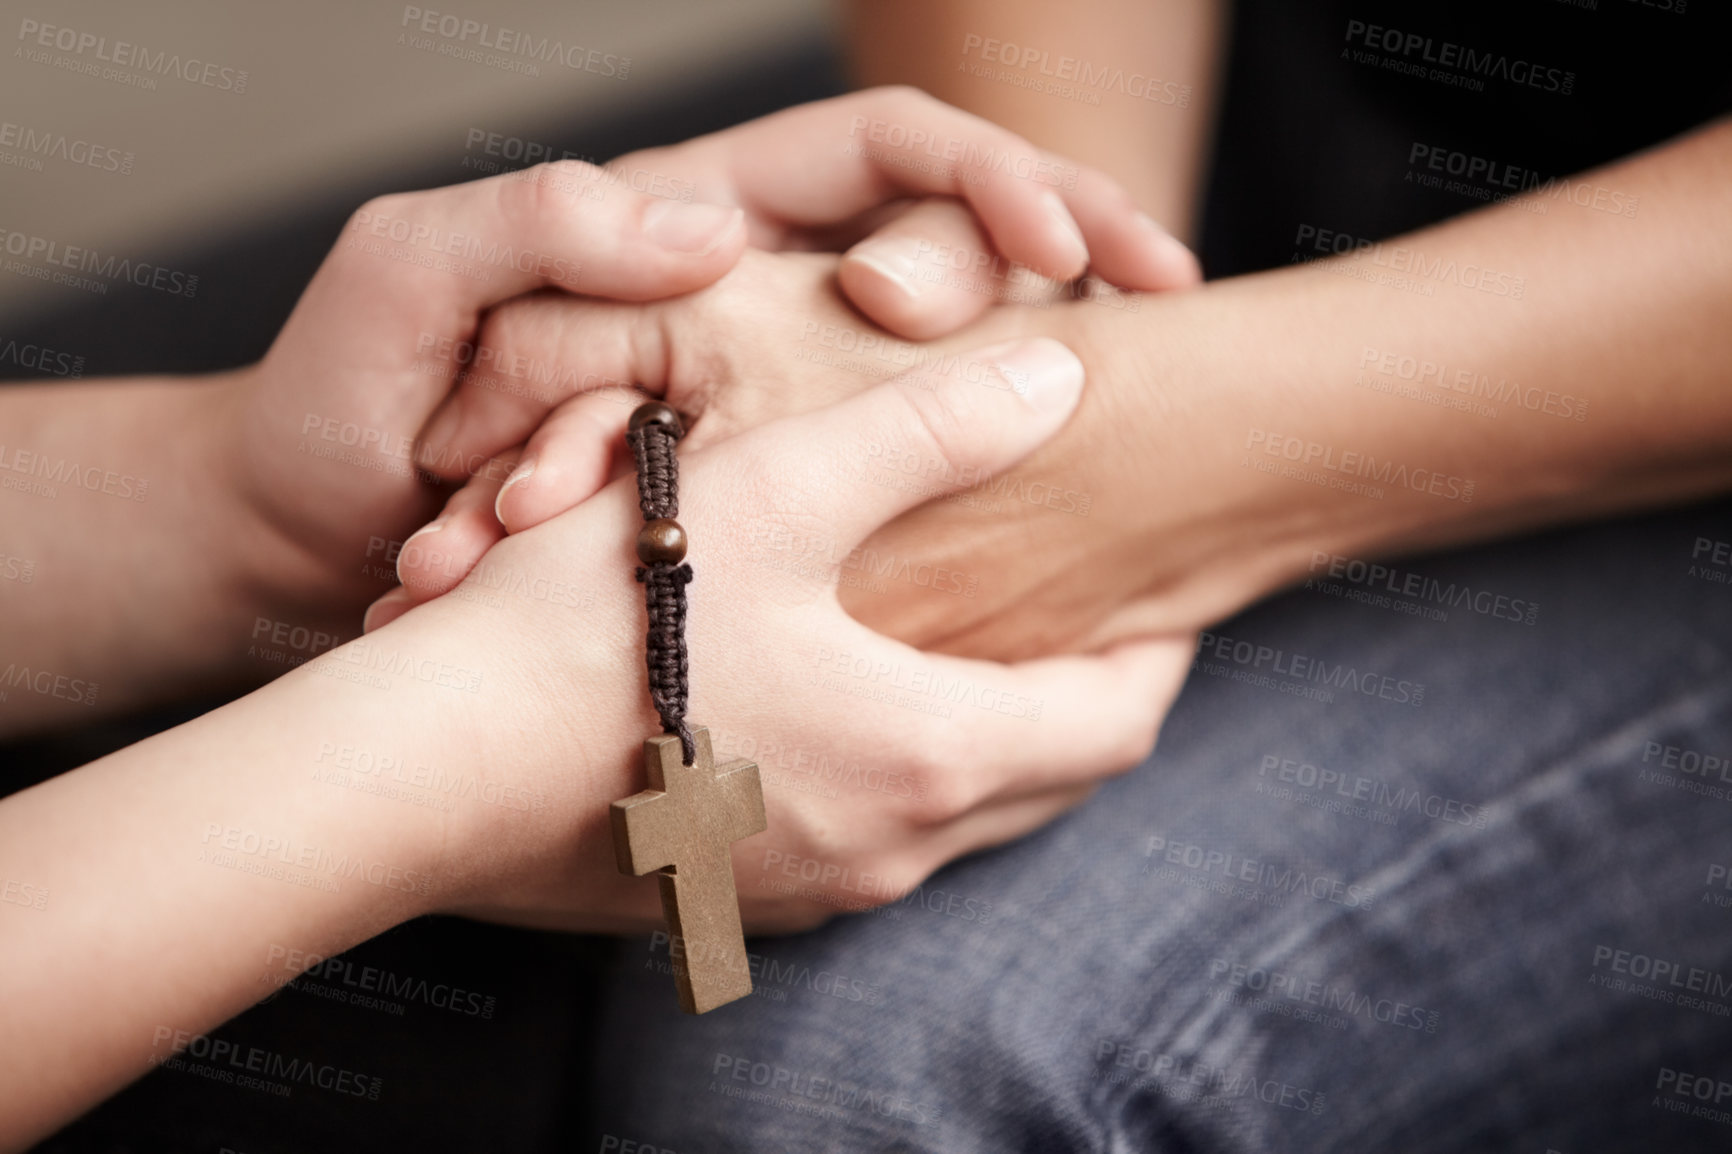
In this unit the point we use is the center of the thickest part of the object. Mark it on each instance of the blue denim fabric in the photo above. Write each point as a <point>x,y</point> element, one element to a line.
<point>1484,934</point>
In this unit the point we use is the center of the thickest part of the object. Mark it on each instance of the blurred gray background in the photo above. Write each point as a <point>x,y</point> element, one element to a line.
<point>337,106</point>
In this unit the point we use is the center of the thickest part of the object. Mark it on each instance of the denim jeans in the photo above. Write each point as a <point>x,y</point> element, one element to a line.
<point>1428,858</point>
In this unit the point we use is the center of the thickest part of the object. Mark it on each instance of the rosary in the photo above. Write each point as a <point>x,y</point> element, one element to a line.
<point>682,826</point>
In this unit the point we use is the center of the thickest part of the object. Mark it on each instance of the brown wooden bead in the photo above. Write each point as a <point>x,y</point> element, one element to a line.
<point>661,540</point>
<point>656,413</point>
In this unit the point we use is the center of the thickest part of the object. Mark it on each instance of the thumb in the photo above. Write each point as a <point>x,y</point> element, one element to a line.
<point>937,429</point>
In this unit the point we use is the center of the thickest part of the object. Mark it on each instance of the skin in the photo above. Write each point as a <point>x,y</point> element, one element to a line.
<point>274,495</point>
<point>1155,145</point>
<point>212,849</point>
<point>1182,530</point>
<point>140,903</point>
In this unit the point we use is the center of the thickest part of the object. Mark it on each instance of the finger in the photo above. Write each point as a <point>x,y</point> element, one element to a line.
<point>998,822</point>
<point>1126,247</point>
<point>961,418</point>
<point>1099,715</point>
<point>423,266</point>
<point>908,869</point>
<point>926,273</point>
<point>436,557</point>
<point>531,356</point>
<point>823,163</point>
<point>387,609</point>
<point>570,457</point>
<point>932,269</point>
<point>1001,732</point>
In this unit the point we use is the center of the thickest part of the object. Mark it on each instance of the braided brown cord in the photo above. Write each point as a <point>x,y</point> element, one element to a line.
<point>658,485</point>
<point>658,472</point>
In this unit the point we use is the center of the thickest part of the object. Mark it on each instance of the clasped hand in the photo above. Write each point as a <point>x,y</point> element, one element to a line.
<point>783,481</point>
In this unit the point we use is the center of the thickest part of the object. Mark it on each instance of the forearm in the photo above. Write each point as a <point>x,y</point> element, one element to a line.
<point>130,576</point>
<point>1231,433</point>
<point>1530,368</point>
<point>154,894</point>
<point>1138,80</point>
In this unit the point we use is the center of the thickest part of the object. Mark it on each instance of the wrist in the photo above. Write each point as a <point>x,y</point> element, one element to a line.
<point>1249,391</point>
<point>1185,525</point>
<point>297,593</point>
<point>413,753</point>
<point>220,568</point>
<point>1191,537</point>
<point>521,713</point>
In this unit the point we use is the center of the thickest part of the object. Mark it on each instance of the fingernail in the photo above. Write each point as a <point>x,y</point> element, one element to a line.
<point>693,228</point>
<point>1042,372</point>
<point>1172,253</point>
<point>522,473</point>
<point>432,526</point>
<point>1061,215</point>
<point>891,259</point>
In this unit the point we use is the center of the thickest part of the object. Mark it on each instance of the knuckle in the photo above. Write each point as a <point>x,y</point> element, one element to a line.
<point>951,789</point>
<point>529,198</point>
<point>947,799</point>
<point>542,201</point>
<point>387,207</point>
<point>377,217</point>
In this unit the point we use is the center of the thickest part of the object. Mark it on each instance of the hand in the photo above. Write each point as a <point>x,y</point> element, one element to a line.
<point>1095,538</point>
<point>978,753</point>
<point>318,438</point>
<point>464,758</point>
<point>822,175</point>
<point>321,435</point>
<point>759,345</point>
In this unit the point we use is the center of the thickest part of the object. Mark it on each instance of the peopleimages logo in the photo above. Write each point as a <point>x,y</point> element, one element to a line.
<point>1402,583</point>
<point>38,36</point>
<point>1455,62</point>
<point>1312,241</point>
<point>1270,875</point>
<point>1670,980</point>
<point>1316,455</point>
<point>1472,383</point>
<point>33,144</point>
<point>228,1059</point>
<point>119,269</point>
<point>1359,788</point>
<point>1098,77</point>
<point>1342,999</point>
<point>1302,667</point>
<point>42,359</point>
<point>299,966</point>
<point>1487,179</point>
<point>1186,1080</point>
<point>515,46</point>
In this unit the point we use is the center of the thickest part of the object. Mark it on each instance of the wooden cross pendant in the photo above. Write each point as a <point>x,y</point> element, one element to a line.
<point>683,826</point>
